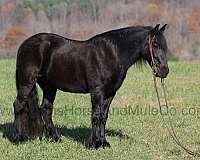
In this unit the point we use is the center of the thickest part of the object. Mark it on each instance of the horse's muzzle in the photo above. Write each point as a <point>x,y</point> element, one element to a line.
<point>162,71</point>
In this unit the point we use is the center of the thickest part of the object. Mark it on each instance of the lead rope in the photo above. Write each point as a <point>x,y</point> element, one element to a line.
<point>170,128</point>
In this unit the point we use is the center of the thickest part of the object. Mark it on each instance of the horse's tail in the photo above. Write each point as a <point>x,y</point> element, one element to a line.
<point>17,78</point>
<point>33,100</point>
<point>31,104</point>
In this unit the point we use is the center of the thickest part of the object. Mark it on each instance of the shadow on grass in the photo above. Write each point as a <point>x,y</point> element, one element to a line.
<point>8,131</point>
<point>78,134</point>
<point>81,134</point>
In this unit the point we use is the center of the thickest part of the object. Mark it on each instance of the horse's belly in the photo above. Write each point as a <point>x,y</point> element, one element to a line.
<point>72,89</point>
<point>68,82</point>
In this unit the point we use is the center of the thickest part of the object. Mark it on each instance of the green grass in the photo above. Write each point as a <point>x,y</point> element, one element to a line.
<point>139,136</point>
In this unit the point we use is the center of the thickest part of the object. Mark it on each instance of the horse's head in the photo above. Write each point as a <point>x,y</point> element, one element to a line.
<point>156,51</point>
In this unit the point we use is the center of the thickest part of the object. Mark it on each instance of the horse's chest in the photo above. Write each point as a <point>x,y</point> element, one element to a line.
<point>115,82</point>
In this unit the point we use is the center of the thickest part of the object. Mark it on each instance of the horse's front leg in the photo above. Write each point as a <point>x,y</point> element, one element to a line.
<point>106,107</point>
<point>47,111</point>
<point>99,116</point>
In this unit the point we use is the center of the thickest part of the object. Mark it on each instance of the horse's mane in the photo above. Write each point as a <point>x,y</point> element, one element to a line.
<point>124,31</point>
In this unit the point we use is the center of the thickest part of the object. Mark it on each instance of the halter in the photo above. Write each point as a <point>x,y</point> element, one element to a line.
<point>150,45</point>
<point>169,127</point>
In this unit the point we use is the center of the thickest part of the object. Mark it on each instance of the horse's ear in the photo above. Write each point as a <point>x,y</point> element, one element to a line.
<point>155,30</point>
<point>163,28</point>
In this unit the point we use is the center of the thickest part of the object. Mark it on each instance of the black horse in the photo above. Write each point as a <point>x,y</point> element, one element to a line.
<point>97,66</point>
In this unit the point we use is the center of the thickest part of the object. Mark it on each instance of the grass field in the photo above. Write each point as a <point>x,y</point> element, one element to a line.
<point>135,129</point>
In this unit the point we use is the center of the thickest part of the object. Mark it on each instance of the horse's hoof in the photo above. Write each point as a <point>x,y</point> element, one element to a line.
<point>90,144</point>
<point>40,138</point>
<point>97,144</point>
<point>93,145</point>
<point>18,139</point>
<point>106,144</point>
<point>54,137</point>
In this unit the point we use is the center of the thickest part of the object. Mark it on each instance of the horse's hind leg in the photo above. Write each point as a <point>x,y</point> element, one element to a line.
<point>49,94</point>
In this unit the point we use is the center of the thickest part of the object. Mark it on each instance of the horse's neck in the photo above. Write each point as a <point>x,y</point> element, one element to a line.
<point>128,44</point>
<point>129,52</point>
